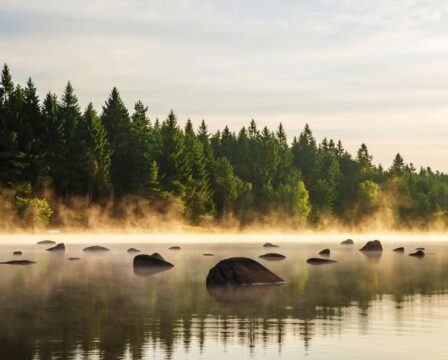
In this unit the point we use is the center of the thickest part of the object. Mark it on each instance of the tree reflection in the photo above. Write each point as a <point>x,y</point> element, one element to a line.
<point>100,306</point>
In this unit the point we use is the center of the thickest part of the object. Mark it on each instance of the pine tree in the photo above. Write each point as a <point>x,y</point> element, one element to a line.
<point>226,186</point>
<point>172,162</point>
<point>304,152</point>
<point>31,133</point>
<point>397,165</point>
<point>140,119</point>
<point>120,135</point>
<point>363,157</point>
<point>73,173</point>
<point>100,156</point>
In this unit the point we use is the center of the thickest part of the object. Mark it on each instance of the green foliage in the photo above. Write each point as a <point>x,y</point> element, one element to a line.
<point>250,174</point>
<point>34,212</point>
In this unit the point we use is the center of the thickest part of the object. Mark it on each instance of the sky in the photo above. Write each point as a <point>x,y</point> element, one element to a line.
<point>373,71</point>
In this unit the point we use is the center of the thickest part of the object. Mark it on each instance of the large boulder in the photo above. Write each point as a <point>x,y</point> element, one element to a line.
<point>272,256</point>
<point>58,247</point>
<point>46,242</point>
<point>348,242</point>
<point>240,271</point>
<point>374,245</point>
<point>96,248</point>
<point>320,261</point>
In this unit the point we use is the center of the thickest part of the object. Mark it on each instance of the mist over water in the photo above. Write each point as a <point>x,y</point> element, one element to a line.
<point>388,307</point>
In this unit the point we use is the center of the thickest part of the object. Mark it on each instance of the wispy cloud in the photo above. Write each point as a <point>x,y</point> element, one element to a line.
<point>359,70</point>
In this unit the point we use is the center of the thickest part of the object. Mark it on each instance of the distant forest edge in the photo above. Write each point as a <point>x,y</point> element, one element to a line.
<point>63,166</point>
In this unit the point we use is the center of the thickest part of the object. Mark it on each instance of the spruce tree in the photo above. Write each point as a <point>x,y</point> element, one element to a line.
<point>100,156</point>
<point>172,160</point>
<point>116,121</point>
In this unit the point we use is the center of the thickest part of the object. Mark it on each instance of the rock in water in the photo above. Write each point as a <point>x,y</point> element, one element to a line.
<point>399,249</point>
<point>272,256</point>
<point>46,242</point>
<point>240,271</point>
<point>175,248</point>
<point>418,253</point>
<point>96,249</point>
<point>18,262</point>
<point>270,245</point>
<point>154,260</point>
<point>17,253</point>
<point>133,250</point>
<point>348,242</point>
<point>324,252</point>
<point>150,264</point>
<point>58,247</point>
<point>158,256</point>
<point>420,248</point>
<point>208,254</point>
<point>319,261</point>
<point>74,258</point>
<point>374,245</point>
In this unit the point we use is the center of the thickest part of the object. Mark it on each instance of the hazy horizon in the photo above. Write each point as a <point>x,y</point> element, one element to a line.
<point>359,71</point>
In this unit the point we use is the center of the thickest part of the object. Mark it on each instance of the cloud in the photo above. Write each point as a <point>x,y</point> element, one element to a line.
<point>359,70</point>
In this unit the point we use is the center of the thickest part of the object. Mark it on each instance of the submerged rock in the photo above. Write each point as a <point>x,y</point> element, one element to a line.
<point>374,245</point>
<point>175,248</point>
<point>320,261</point>
<point>348,242</point>
<point>208,254</point>
<point>17,253</point>
<point>58,247</point>
<point>272,256</point>
<point>270,245</point>
<point>74,258</point>
<point>419,253</point>
<point>18,262</point>
<point>46,242</point>
<point>96,248</point>
<point>324,252</point>
<point>420,248</point>
<point>133,250</point>
<point>399,249</point>
<point>240,271</point>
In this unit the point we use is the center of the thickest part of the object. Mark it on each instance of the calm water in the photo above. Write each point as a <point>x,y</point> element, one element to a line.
<point>392,307</point>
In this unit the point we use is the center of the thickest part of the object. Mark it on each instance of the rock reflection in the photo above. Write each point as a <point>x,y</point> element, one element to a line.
<point>148,271</point>
<point>240,294</point>
<point>99,306</point>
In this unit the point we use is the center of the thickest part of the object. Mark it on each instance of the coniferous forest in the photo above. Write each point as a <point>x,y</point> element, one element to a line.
<point>58,161</point>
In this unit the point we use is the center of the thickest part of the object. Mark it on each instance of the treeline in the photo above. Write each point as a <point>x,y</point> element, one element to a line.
<point>255,175</point>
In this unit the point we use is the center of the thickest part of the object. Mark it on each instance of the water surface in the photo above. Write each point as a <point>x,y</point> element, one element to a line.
<point>388,307</point>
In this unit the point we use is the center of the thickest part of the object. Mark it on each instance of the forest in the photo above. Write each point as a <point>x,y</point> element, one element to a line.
<point>59,162</point>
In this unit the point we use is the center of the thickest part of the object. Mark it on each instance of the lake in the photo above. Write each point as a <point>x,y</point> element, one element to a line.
<point>388,307</point>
